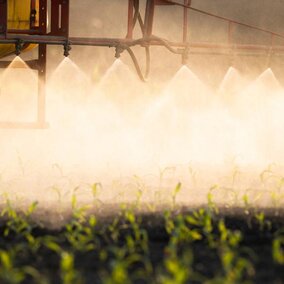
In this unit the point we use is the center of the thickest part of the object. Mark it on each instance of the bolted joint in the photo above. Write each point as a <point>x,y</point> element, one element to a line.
<point>33,17</point>
<point>185,55</point>
<point>269,57</point>
<point>67,48</point>
<point>18,47</point>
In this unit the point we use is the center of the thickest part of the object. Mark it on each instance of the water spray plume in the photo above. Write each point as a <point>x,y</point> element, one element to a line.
<point>254,98</point>
<point>20,97</point>
<point>69,76</point>
<point>186,90</point>
<point>122,88</point>
<point>110,131</point>
<point>18,63</point>
<point>231,84</point>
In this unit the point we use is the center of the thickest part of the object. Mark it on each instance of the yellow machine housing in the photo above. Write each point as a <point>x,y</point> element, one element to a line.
<point>19,12</point>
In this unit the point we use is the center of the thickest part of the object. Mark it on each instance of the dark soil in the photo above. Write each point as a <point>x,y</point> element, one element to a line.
<point>256,244</point>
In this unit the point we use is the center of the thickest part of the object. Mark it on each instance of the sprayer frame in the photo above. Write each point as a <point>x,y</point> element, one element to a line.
<point>59,27</point>
<point>58,34</point>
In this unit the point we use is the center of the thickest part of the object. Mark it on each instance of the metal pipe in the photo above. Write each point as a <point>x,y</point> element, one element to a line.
<point>3,16</point>
<point>230,33</point>
<point>41,108</point>
<point>224,18</point>
<point>23,32</point>
<point>185,20</point>
<point>184,58</point>
<point>113,42</point>
<point>130,23</point>
<point>149,18</point>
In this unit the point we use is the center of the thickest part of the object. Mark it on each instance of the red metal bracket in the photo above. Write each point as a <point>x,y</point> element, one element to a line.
<point>149,18</point>
<point>33,16</point>
<point>130,25</point>
<point>3,16</point>
<point>42,17</point>
<point>60,18</point>
<point>150,12</point>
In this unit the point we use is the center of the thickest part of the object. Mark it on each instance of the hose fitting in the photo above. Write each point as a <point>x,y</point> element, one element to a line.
<point>118,50</point>
<point>67,48</point>
<point>185,55</point>
<point>18,47</point>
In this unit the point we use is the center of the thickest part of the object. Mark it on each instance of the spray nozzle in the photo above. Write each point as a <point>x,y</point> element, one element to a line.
<point>269,55</point>
<point>18,47</point>
<point>185,55</point>
<point>67,48</point>
<point>118,50</point>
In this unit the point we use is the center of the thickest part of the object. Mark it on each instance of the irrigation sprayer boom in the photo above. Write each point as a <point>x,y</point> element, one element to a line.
<point>46,22</point>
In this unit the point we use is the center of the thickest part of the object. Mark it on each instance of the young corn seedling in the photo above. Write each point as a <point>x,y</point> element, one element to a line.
<point>141,187</point>
<point>96,188</point>
<point>267,174</point>
<point>8,273</point>
<point>262,222</point>
<point>68,273</point>
<point>81,236</point>
<point>136,243</point>
<point>18,224</point>
<point>119,273</point>
<point>162,174</point>
<point>212,207</point>
<point>122,264</point>
<point>235,175</point>
<point>21,164</point>
<point>138,239</point>
<point>111,232</point>
<point>178,269</point>
<point>178,261</point>
<point>235,267</point>
<point>175,193</point>
<point>276,199</point>
<point>193,175</point>
<point>247,204</point>
<point>79,232</point>
<point>278,250</point>
<point>202,220</point>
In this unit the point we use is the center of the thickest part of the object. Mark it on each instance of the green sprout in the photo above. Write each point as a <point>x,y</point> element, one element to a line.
<point>8,273</point>
<point>278,250</point>
<point>69,275</point>
<point>175,193</point>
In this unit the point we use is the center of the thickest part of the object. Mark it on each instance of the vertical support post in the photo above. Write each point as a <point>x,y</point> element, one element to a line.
<point>33,15</point>
<point>42,17</point>
<point>184,59</point>
<point>270,51</point>
<point>130,24</point>
<point>149,18</point>
<point>3,16</point>
<point>272,38</point>
<point>230,33</point>
<point>185,20</point>
<point>42,49</point>
<point>65,7</point>
<point>41,113</point>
